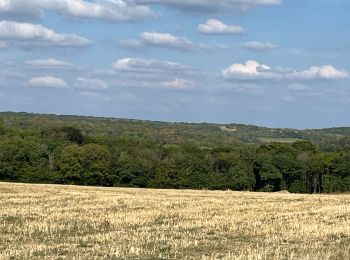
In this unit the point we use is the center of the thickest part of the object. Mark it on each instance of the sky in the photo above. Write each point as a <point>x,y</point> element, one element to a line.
<point>277,63</point>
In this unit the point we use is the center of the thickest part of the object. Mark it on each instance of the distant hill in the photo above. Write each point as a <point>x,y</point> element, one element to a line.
<point>98,151</point>
<point>173,133</point>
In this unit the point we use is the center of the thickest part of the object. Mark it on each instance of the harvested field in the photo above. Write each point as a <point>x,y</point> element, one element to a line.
<point>48,221</point>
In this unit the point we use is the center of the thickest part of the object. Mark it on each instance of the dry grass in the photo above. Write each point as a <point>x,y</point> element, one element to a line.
<point>43,221</point>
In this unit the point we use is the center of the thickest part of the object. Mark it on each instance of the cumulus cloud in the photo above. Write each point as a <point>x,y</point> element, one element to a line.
<point>211,6</point>
<point>34,35</point>
<point>214,26</point>
<point>49,64</point>
<point>144,65</point>
<point>167,40</point>
<point>47,82</point>
<point>258,46</point>
<point>250,69</point>
<point>254,70</point>
<point>322,72</point>
<point>91,83</point>
<point>109,10</point>
<point>163,40</point>
<point>152,73</point>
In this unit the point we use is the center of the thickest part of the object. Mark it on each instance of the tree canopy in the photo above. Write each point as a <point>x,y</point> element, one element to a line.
<point>69,155</point>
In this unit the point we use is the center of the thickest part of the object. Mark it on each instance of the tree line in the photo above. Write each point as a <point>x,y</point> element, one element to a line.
<point>65,155</point>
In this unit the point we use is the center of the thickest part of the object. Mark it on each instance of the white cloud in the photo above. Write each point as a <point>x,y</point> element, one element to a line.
<point>152,73</point>
<point>164,40</point>
<point>96,96</point>
<point>49,64</point>
<point>31,35</point>
<point>254,70</point>
<point>322,72</point>
<point>167,40</point>
<point>89,83</point>
<point>258,46</point>
<point>109,10</point>
<point>250,69</point>
<point>143,65</point>
<point>214,26</point>
<point>212,6</point>
<point>47,82</point>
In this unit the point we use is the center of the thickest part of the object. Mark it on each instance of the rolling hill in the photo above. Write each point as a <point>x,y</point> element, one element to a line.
<point>205,134</point>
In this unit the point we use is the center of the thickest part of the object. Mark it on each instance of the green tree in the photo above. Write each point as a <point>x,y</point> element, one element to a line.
<point>96,162</point>
<point>9,164</point>
<point>241,178</point>
<point>70,165</point>
<point>304,146</point>
<point>338,177</point>
<point>313,169</point>
<point>88,164</point>
<point>66,133</point>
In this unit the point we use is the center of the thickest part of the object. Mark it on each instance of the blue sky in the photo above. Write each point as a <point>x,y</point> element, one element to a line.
<point>281,63</point>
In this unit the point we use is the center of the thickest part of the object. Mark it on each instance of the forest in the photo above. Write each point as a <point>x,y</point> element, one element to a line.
<point>130,153</point>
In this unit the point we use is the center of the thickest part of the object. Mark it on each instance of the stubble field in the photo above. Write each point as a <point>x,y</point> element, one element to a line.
<point>66,222</point>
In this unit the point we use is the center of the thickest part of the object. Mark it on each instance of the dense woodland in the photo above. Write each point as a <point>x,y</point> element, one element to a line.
<point>130,153</point>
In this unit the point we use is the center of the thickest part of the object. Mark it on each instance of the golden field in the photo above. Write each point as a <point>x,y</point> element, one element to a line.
<point>67,222</point>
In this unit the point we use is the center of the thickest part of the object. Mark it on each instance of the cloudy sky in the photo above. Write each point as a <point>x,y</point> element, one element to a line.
<point>282,63</point>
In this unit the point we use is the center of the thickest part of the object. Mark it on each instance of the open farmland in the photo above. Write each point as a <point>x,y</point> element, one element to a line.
<point>47,221</point>
<point>279,140</point>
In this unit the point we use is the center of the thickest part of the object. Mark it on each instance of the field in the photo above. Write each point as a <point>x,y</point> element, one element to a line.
<point>58,222</point>
<point>278,140</point>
